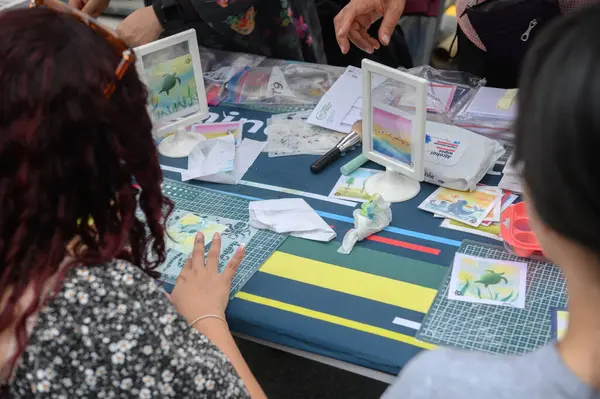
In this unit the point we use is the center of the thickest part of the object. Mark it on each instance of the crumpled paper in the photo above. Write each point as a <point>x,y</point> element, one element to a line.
<point>372,217</point>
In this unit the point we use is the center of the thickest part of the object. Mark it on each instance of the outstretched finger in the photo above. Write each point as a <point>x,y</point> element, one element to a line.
<point>392,13</point>
<point>343,22</point>
<point>212,259</point>
<point>361,40</point>
<point>198,251</point>
<point>234,263</point>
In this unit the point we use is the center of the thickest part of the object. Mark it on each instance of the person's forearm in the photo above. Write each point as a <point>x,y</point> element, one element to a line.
<point>218,333</point>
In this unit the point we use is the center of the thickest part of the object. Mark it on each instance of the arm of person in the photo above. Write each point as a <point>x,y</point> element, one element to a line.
<point>218,333</point>
<point>202,291</point>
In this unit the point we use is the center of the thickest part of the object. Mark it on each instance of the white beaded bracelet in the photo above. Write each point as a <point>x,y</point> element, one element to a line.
<point>207,316</point>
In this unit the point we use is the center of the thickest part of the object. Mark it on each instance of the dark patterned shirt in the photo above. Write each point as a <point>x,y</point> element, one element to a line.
<point>111,332</point>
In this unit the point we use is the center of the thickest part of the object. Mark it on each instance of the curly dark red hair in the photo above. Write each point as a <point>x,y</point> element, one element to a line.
<point>68,154</point>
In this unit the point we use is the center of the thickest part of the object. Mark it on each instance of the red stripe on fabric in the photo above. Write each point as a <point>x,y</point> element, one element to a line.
<point>403,244</point>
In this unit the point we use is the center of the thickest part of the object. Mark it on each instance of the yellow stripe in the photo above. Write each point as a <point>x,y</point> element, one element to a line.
<point>340,321</point>
<point>348,281</point>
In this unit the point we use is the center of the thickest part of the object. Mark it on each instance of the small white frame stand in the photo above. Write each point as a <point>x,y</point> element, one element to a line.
<point>176,141</point>
<point>401,181</point>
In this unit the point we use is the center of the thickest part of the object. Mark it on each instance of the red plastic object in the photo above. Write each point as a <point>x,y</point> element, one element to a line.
<point>517,234</point>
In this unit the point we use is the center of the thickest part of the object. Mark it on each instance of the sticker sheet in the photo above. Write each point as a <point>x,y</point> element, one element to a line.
<point>183,226</point>
<point>488,281</point>
<point>467,207</point>
<point>352,187</point>
<point>560,322</point>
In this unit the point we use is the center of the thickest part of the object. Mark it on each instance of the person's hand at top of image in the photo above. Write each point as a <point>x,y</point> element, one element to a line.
<point>352,23</point>
<point>140,27</point>
<point>90,7</point>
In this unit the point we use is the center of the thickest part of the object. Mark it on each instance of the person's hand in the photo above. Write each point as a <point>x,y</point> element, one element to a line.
<point>200,289</point>
<point>140,27</point>
<point>355,19</point>
<point>90,7</point>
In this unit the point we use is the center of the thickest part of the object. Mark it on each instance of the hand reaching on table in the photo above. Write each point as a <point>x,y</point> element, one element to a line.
<point>200,288</point>
<point>352,23</point>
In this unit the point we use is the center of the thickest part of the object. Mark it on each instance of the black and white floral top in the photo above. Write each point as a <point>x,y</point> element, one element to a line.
<point>111,332</point>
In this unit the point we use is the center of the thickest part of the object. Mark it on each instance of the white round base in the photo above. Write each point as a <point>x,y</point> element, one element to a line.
<point>392,186</point>
<point>180,144</point>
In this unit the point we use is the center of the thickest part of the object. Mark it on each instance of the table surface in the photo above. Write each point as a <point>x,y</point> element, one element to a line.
<point>363,308</point>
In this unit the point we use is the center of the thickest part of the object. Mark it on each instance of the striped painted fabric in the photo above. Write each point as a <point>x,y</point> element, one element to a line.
<point>465,24</point>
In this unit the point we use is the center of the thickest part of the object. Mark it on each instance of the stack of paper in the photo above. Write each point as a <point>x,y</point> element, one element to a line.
<point>511,178</point>
<point>476,212</point>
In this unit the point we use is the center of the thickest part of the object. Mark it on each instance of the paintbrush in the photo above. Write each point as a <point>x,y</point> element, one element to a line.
<point>349,141</point>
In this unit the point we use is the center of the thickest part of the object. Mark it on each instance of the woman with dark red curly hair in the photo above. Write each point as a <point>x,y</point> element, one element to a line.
<point>80,312</point>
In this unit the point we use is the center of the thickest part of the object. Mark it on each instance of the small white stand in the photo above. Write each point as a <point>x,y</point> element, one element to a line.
<point>392,186</point>
<point>180,144</point>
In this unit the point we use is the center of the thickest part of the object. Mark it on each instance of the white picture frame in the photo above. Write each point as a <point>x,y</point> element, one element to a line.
<point>417,119</point>
<point>173,50</point>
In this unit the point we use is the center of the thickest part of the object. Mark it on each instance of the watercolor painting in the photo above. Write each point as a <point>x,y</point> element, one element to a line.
<point>183,228</point>
<point>488,281</point>
<point>171,82</point>
<point>470,207</point>
<point>392,136</point>
<point>352,187</point>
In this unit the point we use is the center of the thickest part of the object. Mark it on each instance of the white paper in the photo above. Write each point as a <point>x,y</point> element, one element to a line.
<point>355,114</point>
<point>484,105</point>
<point>290,215</point>
<point>245,155</point>
<point>335,104</point>
<point>210,157</point>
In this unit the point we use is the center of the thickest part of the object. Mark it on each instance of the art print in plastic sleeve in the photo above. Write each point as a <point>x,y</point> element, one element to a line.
<point>488,281</point>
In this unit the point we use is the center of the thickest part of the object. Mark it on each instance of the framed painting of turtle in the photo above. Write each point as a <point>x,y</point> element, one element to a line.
<point>172,72</point>
<point>488,281</point>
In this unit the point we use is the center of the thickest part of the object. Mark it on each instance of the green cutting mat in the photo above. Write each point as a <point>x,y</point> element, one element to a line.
<point>209,202</point>
<point>492,328</point>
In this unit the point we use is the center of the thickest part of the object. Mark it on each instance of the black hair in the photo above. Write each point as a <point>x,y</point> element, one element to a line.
<point>557,130</point>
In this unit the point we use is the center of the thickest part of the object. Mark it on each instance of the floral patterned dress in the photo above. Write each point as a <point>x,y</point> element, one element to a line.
<point>285,29</point>
<point>111,332</point>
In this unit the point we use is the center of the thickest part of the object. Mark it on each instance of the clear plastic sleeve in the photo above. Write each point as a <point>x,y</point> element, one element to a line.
<point>282,85</point>
<point>447,93</point>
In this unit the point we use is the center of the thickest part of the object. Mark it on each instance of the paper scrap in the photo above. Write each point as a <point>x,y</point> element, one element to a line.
<point>352,187</point>
<point>506,101</point>
<point>467,207</point>
<point>488,281</point>
<point>290,215</point>
<point>560,322</point>
<point>210,157</point>
<point>245,155</point>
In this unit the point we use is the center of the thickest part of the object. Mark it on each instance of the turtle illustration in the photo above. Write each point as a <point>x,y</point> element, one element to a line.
<point>490,277</point>
<point>169,81</point>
